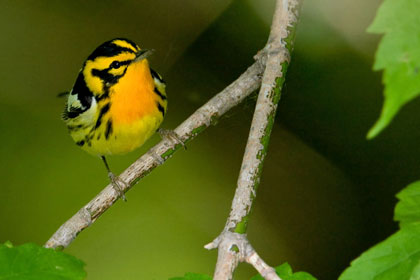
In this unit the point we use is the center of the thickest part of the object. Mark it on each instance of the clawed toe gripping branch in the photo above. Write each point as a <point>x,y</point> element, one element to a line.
<point>267,73</point>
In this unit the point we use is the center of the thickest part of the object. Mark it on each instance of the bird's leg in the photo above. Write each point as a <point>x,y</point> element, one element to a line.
<point>115,180</point>
<point>171,135</point>
<point>116,183</point>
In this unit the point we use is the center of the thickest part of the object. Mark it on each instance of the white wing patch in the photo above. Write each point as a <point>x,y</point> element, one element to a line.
<point>73,102</point>
<point>88,116</point>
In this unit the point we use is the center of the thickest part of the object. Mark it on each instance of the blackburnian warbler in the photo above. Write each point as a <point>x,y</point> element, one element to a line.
<point>117,102</point>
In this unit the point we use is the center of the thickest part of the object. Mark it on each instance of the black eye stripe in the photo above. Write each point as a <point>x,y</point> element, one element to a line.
<point>107,78</point>
<point>115,64</point>
<point>120,63</point>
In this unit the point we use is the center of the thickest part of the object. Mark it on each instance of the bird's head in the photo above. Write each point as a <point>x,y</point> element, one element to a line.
<point>109,62</point>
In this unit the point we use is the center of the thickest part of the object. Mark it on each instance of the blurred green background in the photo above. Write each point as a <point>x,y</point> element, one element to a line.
<point>326,195</point>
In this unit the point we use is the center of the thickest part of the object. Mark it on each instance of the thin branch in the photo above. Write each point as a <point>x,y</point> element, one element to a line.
<point>240,250</point>
<point>231,96</point>
<point>232,243</point>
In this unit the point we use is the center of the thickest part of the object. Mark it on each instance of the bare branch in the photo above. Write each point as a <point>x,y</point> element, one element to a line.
<point>231,96</point>
<point>263,269</point>
<point>234,248</point>
<point>278,49</point>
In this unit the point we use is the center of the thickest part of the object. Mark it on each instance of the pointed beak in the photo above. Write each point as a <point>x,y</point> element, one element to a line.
<point>142,54</point>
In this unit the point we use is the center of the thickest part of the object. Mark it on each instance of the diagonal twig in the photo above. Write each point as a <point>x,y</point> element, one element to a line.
<point>231,96</point>
<point>233,246</point>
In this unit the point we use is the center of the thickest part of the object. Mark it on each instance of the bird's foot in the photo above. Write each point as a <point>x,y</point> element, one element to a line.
<point>117,183</point>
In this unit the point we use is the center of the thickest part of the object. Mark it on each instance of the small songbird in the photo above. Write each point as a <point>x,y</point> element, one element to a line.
<point>117,102</point>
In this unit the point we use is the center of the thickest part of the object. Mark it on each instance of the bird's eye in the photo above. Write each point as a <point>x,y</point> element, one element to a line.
<point>115,64</point>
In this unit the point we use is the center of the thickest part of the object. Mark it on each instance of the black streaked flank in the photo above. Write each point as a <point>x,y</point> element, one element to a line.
<point>80,143</point>
<point>155,75</point>
<point>104,109</point>
<point>156,90</point>
<point>108,130</point>
<point>75,127</point>
<point>161,109</point>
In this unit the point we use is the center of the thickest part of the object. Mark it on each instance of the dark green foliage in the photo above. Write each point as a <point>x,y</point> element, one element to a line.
<point>407,210</point>
<point>398,56</point>
<point>398,257</point>
<point>30,261</point>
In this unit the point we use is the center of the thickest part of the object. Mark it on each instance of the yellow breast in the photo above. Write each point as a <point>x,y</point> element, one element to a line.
<point>133,114</point>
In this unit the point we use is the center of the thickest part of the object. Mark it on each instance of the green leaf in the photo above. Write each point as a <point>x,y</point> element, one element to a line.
<point>30,262</point>
<point>407,210</point>
<point>285,272</point>
<point>192,276</point>
<point>398,257</point>
<point>398,55</point>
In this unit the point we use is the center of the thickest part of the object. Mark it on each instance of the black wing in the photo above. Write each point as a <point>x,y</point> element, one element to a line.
<point>80,93</point>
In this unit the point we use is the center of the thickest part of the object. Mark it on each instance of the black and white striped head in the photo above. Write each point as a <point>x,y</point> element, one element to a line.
<point>109,62</point>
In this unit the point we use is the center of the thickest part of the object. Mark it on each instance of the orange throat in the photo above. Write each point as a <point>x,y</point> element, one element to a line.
<point>132,98</point>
